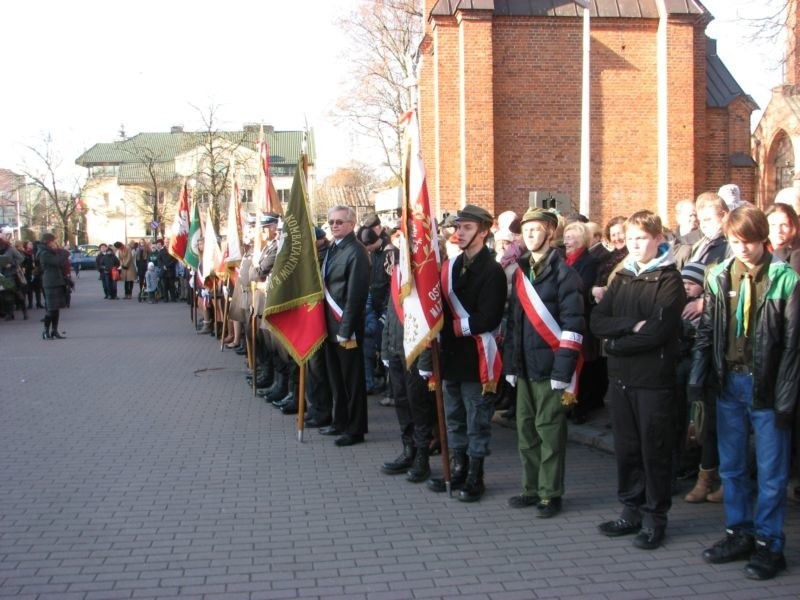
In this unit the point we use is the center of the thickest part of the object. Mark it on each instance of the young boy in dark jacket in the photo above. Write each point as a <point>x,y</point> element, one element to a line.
<point>747,344</point>
<point>640,319</point>
<point>544,334</point>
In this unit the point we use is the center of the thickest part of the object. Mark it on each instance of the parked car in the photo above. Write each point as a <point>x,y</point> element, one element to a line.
<point>81,260</point>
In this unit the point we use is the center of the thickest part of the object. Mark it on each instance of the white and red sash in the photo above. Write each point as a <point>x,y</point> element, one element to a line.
<point>546,326</point>
<point>489,361</point>
<point>337,310</point>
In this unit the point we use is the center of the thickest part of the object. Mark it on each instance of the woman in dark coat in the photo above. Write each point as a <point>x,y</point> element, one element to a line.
<point>52,262</point>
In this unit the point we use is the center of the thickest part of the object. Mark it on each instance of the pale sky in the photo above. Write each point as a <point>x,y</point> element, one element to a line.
<point>81,69</point>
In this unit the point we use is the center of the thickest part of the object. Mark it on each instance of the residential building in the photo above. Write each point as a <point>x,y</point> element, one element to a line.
<point>133,184</point>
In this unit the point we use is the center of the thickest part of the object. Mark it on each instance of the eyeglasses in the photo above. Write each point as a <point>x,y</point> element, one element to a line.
<point>337,222</point>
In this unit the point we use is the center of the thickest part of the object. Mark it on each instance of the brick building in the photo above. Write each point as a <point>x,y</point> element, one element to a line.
<point>500,101</point>
<point>777,136</point>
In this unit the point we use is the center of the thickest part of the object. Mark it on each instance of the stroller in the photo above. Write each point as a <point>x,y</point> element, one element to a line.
<point>154,296</point>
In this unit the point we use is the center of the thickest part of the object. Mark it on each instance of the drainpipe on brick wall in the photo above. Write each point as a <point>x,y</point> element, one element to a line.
<point>663,122</point>
<point>586,124</point>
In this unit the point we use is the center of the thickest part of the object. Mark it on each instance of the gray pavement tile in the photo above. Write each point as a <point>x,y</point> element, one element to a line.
<point>136,462</point>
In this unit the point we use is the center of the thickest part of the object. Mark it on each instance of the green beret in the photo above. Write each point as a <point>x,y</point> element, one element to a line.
<point>540,214</point>
<point>470,212</point>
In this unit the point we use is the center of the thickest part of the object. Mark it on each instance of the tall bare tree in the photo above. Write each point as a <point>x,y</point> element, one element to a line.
<point>59,193</point>
<point>385,37</point>
<point>766,20</point>
<point>213,179</point>
<point>152,160</point>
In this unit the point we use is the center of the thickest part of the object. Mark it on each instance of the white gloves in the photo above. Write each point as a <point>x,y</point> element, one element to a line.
<point>426,374</point>
<point>340,339</point>
<point>385,363</point>
<point>511,380</point>
<point>559,385</point>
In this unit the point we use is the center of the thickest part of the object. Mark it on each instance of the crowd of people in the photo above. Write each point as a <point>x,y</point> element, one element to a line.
<point>39,275</point>
<point>690,337</point>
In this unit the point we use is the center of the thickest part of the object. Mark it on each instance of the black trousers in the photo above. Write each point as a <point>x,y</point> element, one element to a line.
<point>644,435</point>
<point>348,386</point>
<point>318,393</point>
<point>415,405</point>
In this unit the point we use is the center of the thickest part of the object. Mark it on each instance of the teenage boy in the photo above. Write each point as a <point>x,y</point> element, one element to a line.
<point>474,289</point>
<point>640,319</point>
<point>544,334</point>
<point>747,342</point>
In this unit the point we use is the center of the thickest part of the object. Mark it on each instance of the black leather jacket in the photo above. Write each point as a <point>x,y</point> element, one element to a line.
<point>776,357</point>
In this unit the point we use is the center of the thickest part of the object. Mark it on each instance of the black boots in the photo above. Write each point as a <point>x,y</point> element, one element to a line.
<point>458,473</point>
<point>278,389</point>
<point>421,469</point>
<point>403,462</point>
<point>46,332</point>
<point>473,488</point>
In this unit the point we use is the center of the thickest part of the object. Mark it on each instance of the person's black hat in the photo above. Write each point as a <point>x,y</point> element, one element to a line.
<point>470,212</point>
<point>694,272</point>
<point>319,233</point>
<point>367,236</point>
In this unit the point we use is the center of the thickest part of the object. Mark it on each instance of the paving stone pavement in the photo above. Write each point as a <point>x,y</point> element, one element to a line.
<point>135,463</point>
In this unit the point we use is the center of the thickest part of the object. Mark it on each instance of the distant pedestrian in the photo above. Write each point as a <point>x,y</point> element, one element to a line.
<point>127,268</point>
<point>53,261</point>
<point>107,263</point>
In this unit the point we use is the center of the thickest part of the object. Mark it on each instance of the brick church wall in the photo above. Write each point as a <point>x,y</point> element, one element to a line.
<point>524,132</point>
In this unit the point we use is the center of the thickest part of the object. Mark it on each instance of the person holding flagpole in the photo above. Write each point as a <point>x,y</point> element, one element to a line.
<point>474,289</point>
<point>271,388</point>
<point>544,333</point>
<point>346,286</point>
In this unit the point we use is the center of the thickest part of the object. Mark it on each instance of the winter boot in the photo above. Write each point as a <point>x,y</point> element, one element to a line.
<point>403,462</point>
<point>205,329</point>
<point>458,473</point>
<point>706,479</point>
<point>715,496</point>
<point>421,469</point>
<point>279,389</point>
<point>46,332</point>
<point>473,488</point>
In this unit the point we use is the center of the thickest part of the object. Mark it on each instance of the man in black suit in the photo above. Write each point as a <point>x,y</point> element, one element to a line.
<point>346,281</point>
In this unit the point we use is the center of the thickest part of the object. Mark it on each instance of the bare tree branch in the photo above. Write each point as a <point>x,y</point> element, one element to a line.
<point>59,201</point>
<point>385,37</point>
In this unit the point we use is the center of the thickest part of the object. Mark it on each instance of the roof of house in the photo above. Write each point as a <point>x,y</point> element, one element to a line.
<point>643,9</point>
<point>721,87</point>
<point>284,147</point>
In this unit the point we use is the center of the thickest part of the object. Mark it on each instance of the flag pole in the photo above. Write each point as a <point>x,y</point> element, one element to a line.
<point>253,334</point>
<point>437,377</point>
<point>301,403</point>
<point>301,390</point>
<point>226,305</point>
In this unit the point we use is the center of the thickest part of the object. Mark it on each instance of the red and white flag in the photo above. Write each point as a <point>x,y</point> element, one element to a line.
<point>233,246</point>
<point>266,196</point>
<point>212,255</point>
<point>416,286</point>
<point>179,233</point>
